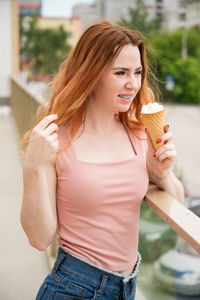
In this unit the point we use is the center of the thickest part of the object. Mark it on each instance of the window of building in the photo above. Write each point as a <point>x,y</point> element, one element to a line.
<point>198,9</point>
<point>158,7</point>
<point>182,17</point>
<point>182,3</point>
<point>159,1</point>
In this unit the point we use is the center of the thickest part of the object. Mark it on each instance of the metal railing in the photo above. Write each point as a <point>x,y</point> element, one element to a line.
<point>177,216</point>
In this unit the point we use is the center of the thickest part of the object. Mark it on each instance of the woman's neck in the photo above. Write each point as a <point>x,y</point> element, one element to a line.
<point>98,121</point>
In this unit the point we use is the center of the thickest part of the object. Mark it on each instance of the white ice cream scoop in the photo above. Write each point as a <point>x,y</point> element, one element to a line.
<point>151,108</point>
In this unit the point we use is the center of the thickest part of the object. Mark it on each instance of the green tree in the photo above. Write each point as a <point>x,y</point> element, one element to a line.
<point>139,20</point>
<point>187,78</point>
<point>168,44</point>
<point>47,47</point>
<point>167,47</point>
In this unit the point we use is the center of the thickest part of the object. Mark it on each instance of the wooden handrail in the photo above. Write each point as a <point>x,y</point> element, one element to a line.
<point>175,214</point>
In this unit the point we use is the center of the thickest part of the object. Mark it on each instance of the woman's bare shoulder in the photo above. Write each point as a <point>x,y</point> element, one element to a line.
<point>63,134</point>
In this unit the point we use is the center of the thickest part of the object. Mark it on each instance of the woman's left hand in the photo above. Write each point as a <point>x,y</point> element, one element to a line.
<point>159,161</point>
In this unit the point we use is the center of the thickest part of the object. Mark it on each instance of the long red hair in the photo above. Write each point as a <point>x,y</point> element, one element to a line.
<point>95,51</point>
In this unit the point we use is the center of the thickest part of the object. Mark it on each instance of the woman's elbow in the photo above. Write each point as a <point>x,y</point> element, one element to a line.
<point>41,243</point>
<point>41,237</point>
<point>38,245</point>
<point>38,241</point>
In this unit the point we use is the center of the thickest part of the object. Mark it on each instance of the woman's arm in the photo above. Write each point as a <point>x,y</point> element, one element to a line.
<point>170,184</point>
<point>38,211</point>
<point>159,164</point>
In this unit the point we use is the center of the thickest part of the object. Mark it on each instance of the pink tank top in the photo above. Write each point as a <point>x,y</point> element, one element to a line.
<point>98,206</point>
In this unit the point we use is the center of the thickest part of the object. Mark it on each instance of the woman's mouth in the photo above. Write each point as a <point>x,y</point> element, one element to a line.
<point>126,98</point>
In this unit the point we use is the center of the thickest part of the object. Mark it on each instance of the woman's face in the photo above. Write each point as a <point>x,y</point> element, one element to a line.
<point>121,82</point>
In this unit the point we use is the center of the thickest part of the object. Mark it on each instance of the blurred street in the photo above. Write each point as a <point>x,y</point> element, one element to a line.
<point>184,122</point>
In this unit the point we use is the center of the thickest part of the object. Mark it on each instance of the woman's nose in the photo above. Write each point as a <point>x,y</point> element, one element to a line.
<point>132,83</point>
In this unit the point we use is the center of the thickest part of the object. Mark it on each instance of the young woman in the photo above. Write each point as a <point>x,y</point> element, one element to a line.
<point>87,167</point>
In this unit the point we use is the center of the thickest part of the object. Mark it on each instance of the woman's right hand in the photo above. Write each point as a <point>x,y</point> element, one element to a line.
<point>43,143</point>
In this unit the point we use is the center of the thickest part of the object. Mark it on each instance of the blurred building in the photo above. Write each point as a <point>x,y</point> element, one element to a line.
<point>9,46</point>
<point>71,25</point>
<point>182,13</point>
<point>193,12</point>
<point>30,7</point>
<point>174,11</point>
<point>88,14</point>
<point>114,10</point>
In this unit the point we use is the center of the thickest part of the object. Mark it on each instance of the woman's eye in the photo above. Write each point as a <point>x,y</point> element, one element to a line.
<point>120,73</point>
<point>138,72</point>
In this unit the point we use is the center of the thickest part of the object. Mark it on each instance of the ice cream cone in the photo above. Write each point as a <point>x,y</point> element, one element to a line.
<point>154,123</point>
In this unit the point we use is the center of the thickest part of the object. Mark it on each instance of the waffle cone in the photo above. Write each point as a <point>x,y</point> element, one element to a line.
<point>155,125</point>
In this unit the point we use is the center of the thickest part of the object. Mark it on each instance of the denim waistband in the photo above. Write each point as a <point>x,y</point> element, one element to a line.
<point>110,281</point>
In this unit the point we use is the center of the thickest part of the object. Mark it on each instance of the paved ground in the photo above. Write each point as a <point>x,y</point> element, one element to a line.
<point>22,268</point>
<point>185,124</point>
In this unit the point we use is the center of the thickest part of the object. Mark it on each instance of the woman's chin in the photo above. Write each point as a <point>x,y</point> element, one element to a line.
<point>125,108</point>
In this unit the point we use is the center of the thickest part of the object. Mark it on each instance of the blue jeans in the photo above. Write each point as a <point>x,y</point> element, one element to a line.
<point>72,278</point>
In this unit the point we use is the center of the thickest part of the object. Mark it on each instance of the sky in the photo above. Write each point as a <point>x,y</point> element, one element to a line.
<point>60,8</point>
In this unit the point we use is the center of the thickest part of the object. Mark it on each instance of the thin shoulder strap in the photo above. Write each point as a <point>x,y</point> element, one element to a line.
<point>127,130</point>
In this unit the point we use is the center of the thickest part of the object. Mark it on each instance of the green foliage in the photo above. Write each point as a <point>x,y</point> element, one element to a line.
<point>185,71</point>
<point>46,46</point>
<point>187,77</point>
<point>168,44</point>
